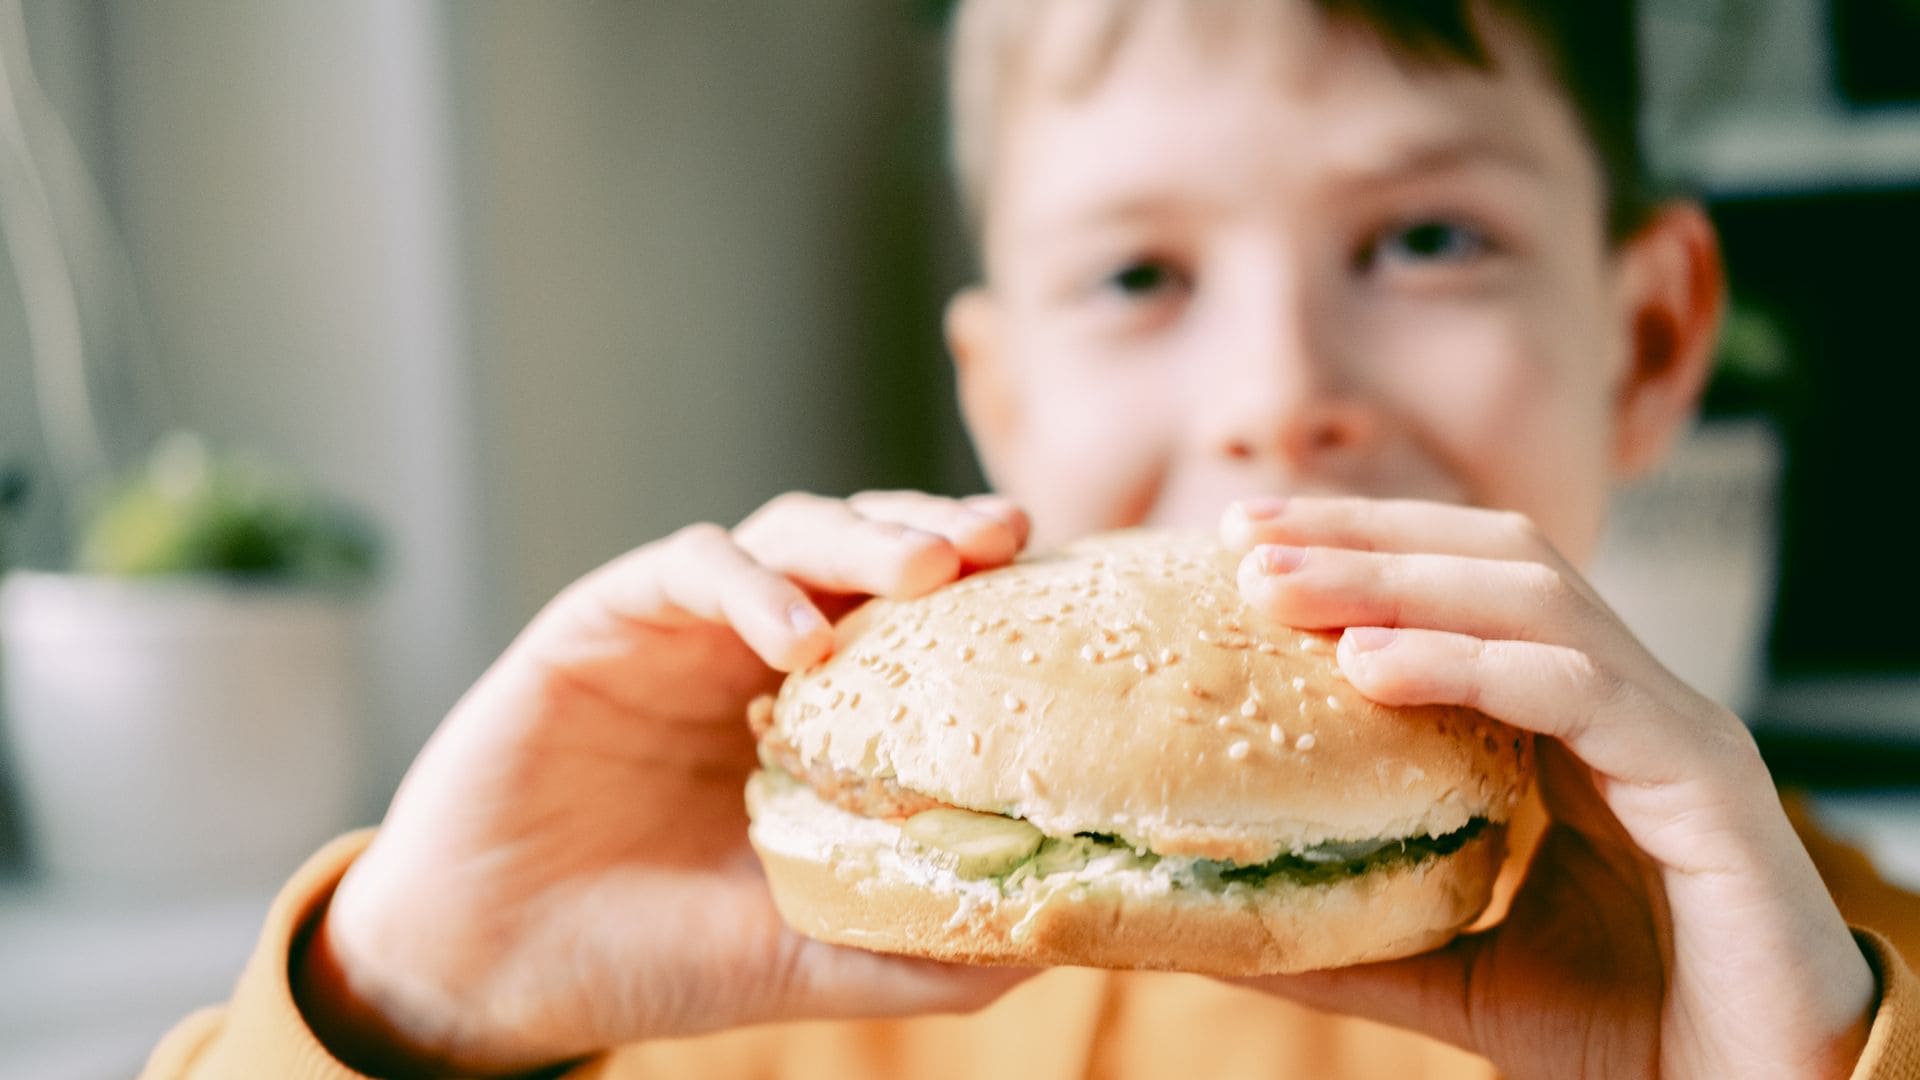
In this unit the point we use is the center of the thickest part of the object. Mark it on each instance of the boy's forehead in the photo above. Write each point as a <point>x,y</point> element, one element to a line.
<point>1190,70</point>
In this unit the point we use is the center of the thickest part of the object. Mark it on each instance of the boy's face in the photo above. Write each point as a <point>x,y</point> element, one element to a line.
<point>1292,261</point>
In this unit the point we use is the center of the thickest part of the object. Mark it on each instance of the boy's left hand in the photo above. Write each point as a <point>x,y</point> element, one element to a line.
<point>1671,923</point>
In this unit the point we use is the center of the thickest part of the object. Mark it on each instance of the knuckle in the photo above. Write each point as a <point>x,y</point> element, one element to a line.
<point>1597,682</point>
<point>699,538</point>
<point>1548,587</point>
<point>774,514</point>
<point>1520,530</point>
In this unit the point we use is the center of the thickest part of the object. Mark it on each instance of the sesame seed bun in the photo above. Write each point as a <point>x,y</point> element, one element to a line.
<point>1120,687</point>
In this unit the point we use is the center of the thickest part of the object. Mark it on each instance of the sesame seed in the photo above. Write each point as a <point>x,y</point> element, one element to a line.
<point>1087,654</point>
<point>1140,661</point>
<point>826,684</point>
<point>899,678</point>
<point>1304,742</point>
<point>1196,690</point>
<point>1168,657</point>
<point>1275,735</point>
<point>1333,702</point>
<point>838,697</point>
<point>1299,683</point>
<point>1028,656</point>
<point>976,627</point>
<point>1268,648</point>
<point>1224,722</point>
<point>1014,704</point>
<point>1249,708</point>
<point>1205,638</point>
<point>1184,716</point>
<point>1013,637</point>
<point>973,742</point>
<point>966,653</point>
<point>1239,750</point>
<point>949,719</point>
<point>854,701</point>
<point>898,714</point>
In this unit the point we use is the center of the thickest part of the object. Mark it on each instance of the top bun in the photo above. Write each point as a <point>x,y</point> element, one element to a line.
<point>1120,685</point>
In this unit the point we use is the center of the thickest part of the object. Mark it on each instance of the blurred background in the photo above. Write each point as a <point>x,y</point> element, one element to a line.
<point>490,292</point>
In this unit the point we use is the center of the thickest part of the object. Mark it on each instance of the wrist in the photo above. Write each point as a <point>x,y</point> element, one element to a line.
<point>344,1014</point>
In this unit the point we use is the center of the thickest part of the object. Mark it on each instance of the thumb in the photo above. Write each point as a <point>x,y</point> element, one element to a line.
<point>838,981</point>
<point>1427,993</point>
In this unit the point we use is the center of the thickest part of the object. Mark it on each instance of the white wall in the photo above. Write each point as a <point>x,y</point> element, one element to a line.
<point>665,213</point>
<point>281,173</point>
<point>532,283</point>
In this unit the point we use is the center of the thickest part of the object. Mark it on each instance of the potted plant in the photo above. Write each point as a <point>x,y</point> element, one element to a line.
<point>182,707</point>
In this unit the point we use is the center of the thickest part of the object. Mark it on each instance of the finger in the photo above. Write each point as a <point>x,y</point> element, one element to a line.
<point>1425,993</point>
<point>1006,510</point>
<point>700,574</point>
<point>1612,724</point>
<point>843,982</point>
<point>823,544</point>
<point>1330,588</point>
<point>1388,525</point>
<point>986,532</point>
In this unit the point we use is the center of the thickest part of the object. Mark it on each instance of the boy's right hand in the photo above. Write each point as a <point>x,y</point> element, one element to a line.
<point>565,867</point>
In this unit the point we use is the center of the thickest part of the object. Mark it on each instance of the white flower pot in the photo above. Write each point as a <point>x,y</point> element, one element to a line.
<point>179,736</point>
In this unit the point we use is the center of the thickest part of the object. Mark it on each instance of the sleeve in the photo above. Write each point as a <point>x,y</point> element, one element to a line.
<point>260,1031</point>
<point>1893,1044</point>
<point>1886,922</point>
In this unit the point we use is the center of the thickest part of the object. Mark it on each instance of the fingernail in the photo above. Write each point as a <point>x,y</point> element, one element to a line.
<point>804,618</point>
<point>1280,558</point>
<point>1265,508</point>
<point>1369,638</point>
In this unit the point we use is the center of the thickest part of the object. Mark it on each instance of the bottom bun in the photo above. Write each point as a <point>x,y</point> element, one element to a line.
<point>851,887</point>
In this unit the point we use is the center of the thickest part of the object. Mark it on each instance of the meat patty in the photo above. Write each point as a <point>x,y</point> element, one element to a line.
<point>868,796</point>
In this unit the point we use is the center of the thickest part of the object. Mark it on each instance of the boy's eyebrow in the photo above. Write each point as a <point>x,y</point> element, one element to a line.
<point>1432,156</point>
<point>1411,159</point>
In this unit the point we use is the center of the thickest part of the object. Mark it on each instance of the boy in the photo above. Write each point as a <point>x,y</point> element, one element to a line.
<point>1375,281</point>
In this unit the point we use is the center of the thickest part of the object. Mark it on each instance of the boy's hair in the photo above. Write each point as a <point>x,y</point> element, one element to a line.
<point>1590,46</point>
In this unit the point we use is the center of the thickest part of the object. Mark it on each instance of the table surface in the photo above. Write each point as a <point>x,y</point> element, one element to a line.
<point>88,984</point>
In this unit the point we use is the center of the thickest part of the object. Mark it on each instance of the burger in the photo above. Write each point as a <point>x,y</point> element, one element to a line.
<point>1101,756</point>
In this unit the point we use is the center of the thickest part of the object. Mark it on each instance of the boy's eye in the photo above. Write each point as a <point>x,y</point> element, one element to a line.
<point>1435,241</point>
<point>1143,278</point>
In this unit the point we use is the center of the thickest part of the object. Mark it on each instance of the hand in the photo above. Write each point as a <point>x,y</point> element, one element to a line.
<point>566,868</point>
<point>1671,923</point>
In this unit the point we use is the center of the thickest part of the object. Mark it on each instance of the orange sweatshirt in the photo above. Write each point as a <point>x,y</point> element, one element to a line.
<point>1065,1023</point>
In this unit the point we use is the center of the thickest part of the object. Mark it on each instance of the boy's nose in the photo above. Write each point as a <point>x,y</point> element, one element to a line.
<point>1285,408</point>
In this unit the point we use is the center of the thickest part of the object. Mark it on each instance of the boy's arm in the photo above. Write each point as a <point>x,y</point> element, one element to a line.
<point>1893,1046</point>
<point>260,1031</point>
<point>1886,919</point>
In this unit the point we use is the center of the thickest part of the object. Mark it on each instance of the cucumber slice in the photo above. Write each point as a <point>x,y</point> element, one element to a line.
<point>1065,856</point>
<point>970,844</point>
<point>1344,851</point>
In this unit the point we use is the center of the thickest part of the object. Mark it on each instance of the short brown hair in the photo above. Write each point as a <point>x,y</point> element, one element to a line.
<point>1590,46</point>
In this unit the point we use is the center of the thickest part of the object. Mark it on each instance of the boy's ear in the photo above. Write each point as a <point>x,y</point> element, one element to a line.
<point>980,366</point>
<point>1673,292</point>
